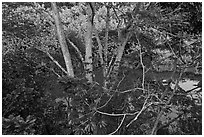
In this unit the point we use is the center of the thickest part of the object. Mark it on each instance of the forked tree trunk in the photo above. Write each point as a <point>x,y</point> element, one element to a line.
<point>62,41</point>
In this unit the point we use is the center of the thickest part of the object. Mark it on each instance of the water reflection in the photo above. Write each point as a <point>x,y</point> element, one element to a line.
<point>188,84</point>
<point>192,90</point>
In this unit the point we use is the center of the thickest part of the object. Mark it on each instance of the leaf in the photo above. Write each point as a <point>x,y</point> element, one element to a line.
<point>88,127</point>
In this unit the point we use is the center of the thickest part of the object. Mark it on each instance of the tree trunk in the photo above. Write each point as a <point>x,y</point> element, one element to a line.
<point>62,41</point>
<point>88,43</point>
<point>113,73</point>
<point>105,67</point>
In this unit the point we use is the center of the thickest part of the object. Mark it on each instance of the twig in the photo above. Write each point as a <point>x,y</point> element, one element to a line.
<point>53,71</point>
<point>116,115</point>
<point>144,107</point>
<point>56,62</point>
<point>135,117</point>
<point>176,9</point>
<point>156,97</point>
<point>77,50</point>
<point>118,126</point>
<point>129,90</point>
<point>143,67</point>
<point>83,122</point>
<point>143,71</point>
<point>106,102</point>
<point>109,114</point>
<point>121,80</point>
<point>110,67</point>
<point>48,54</point>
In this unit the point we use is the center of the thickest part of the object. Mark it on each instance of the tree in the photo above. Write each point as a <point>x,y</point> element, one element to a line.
<point>88,43</point>
<point>126,63</point>
<point>62,41</point>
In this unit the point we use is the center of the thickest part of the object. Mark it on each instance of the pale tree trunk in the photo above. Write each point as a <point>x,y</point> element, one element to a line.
<point>105,66</point>
<point>123,36</point>
<point>62,41</point>
<point>88,44</point>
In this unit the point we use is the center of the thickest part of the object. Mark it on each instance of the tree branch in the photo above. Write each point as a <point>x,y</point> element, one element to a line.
<point>105,67</point>
<point>143,67</point>
<point>50,56</point>
<point>106,102</point>
<point>62,40</point>
<point>154,129</point>
<point>77,50</point>
<point>116,115</point>
<point>144,107</point>
<point>129,90</point>
<point>100,47</point>
<point>118,126</point>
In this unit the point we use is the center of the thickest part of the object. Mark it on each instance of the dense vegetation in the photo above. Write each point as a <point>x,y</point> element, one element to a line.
<point>129,61</point>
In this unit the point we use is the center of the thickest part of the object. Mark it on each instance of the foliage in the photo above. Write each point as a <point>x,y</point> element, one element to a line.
<point>18,126</point>
<point>37,97</point>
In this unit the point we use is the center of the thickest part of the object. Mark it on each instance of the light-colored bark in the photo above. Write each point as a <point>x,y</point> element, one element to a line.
<point>100,47</point>
<point>105,67</point>
<point>88,44</point>
<point>123,36</point>
<point>106,40</point>
<point>62,41</point>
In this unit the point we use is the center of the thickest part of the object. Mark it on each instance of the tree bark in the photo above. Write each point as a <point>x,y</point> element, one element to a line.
<point>62,41</point>
<point>88,43</point>
<point>100,47</point>
<point>105,67</point>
